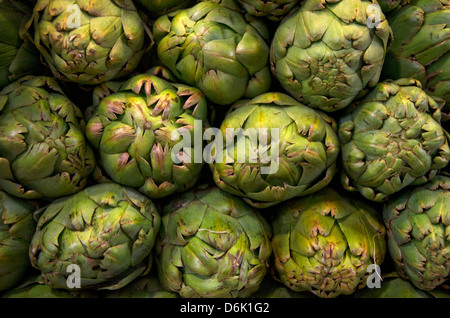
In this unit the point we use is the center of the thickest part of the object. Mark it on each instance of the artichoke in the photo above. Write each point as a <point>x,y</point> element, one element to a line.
<point>422,50</point>
<point>329,52</point>
<point>137,130</point>
<point>391,140</point>
<point>18,56</point>
<point>43,150</point>
<point>158,8</point>
<point>90,42</point>
<point>17,227</point>
<point>272,9</point>
<point>295,153</point>
<point>107,230</point>
<point>212,245</point>
<point>215,49</point>
<point>418,223</point>
<point>325,242</point>
<point>390,5</point>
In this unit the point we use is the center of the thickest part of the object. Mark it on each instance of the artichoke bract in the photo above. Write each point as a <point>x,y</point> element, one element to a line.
<point>212,245</point>
<point>158,8</point>
<point>421,50</point>
<point>106,230</point>
<point>90,42</point>
<point>329,52</point>
<point>391,140</point>
<point>273,148</point>
<point>272,9</point>
<point>418,222</point>
<point>43,150</point>
<point>17,227</point>
<point>19,57</point>
<point>325,243</point>
<point>138,130</point>
<point>215,49</point>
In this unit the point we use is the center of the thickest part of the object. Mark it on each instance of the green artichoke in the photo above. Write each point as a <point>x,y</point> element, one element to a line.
<point>43,150</point>
<point>18,55</point>
<point>272,9</point>
<point>325,242</point>
<point>295,153</point>
<point>422,49</point>
<point>418,223</point>
<point>137,131</point>
<point>329,52</point>
<point>391,140</point>
<point>212,244</point>
<point>90,42</point>
<point>158,8</point>
<point>215,49</point>
<point>107,230</point>
<point>390,5</point>
<point>17,227</point>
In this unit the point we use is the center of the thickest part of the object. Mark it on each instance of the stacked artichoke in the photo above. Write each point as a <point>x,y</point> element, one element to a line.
<point>224,149</point>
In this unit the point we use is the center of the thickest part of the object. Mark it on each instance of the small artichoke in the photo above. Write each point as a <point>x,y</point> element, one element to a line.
<point>17,227</point>
<point>391,140</point>
<point>294,152</point>
<point>329,52</point>
<point>90,42</point>
<point>107,230</point>
<point>19,56</point>
<point>212,245</point>
<point>137,130</point>
<point>272,9</point>
<point>43,150</point>
<point>422,49</point>
<point>215,49</point>
<point>418,223</point>
<point>325,242</point>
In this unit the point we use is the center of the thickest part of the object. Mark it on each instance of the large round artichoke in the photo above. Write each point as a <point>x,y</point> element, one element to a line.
<point>391,140</point>
<point>90,42</point>
<point>271,9</point>
<point>328,52</point>
<point>418,223</point>
<point>325,242</point>
<point>107,230</point>
<point>19,57</point>
<point>212,244</point>
<point>215,49</point>
<point>137,130</point>
<point>294,152</point>
<point>422,49</point>
<point>43,151</point>
<point>17,227</point>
